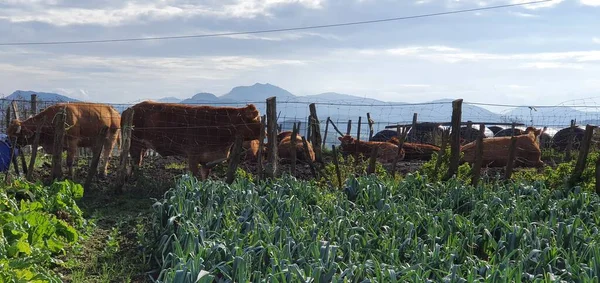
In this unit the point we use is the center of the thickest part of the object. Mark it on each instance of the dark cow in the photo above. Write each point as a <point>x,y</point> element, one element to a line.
<point>560,140</point>
<point>386,153</point>
<point>416,151</point>
<point>495,129</point>
<point>384,135</point>
<point>203,134</point>
<point>83,123</point>
<point>495,150</point>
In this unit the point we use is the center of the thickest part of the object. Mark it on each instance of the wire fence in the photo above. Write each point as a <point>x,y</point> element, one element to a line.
<point>344,112</point>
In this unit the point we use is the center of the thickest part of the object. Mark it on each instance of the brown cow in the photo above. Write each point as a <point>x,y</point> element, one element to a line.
<point>83,123</point>
<point>203,134</point>
<point>416,151</point>
<point>285,147</point>
<point>495,150</point>
<point>386,153</point>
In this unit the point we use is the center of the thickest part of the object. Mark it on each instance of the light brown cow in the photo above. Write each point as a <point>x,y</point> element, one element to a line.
<point>203,134</point>
<point>285,147</point>
<point>386,153</point>
<point>496,150</point>
<point>83,124</point>
<point>416,151</point>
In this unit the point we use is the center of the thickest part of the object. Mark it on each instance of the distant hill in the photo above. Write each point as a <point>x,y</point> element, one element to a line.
<point>200,98</point>
<point>41,96</point>
<point>169,99</point>
<point>257,92</point>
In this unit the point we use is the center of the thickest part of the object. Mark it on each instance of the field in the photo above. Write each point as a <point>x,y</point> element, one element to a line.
<point>168,227</point>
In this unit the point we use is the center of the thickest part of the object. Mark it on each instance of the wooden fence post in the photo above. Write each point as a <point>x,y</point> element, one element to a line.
<point>126,132</point>
<point>371,122</point>
<point>401,138</point>
<point>100,140</point>
<point>349,127</point>
<point>326,131</point>
<point>234,159</point>
<point>476,170</point>
<point>7,117</point>
<point>413,129</point>
<point>316,132</point>
<point>372,160</point>
<point>584,150</point>
<point>358,128</point>
<point>33,104</point>
<point>293,148</point>
<point>272,170</point>
<point>15,109</point>
<point>34,149</point>
<point>261,145</point>
<point>570,142</point>
<point>455,139</point>
<point>337,166</point>
<point>442,152</point>
<point>468,132</point>
<point>59,135</point>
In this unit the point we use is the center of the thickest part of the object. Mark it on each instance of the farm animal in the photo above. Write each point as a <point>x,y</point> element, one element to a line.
<point>251,148</point>
<point>561,138</point>
<point>495,129</point>
<point>285,147</point>
<point>416,151</point>
<point>496,150</point>
<point>203,134</point>
<point>83,122</point>
<point>386,153</point>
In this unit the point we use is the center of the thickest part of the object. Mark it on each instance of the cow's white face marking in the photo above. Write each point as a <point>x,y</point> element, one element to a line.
<point>19,129</point>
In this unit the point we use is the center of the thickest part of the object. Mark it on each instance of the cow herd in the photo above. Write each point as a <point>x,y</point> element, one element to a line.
<point>205,135</point>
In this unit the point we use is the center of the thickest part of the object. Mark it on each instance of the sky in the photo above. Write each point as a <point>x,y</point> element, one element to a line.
<point>540,54</point>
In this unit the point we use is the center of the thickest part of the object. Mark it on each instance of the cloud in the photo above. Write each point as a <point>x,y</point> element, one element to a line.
<point>594,3</point>
<point>524,15</point>
<point>551,65</point>
<point>133,11</point>
<point>596,40</point>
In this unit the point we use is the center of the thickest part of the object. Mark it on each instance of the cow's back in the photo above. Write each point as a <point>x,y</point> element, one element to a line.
<point>177,129</point>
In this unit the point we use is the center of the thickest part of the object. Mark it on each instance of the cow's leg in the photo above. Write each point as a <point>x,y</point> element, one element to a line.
<point>137,155</point>
<point>204,172</point>
<point>193,165</point>
<point>109,144</point>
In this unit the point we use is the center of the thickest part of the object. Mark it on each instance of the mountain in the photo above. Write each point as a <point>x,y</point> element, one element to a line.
<point>257,92</point>
<point>558,116</point>
<point>337,97</point>
<point>169,99</point>
<point>41,96</point>
<point>200,98</point>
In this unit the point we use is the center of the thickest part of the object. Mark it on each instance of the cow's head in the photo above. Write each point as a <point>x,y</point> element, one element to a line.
<point>534,133</point>
<point>251,114</point>
<point>347,139</point>
<point>17,130</point>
